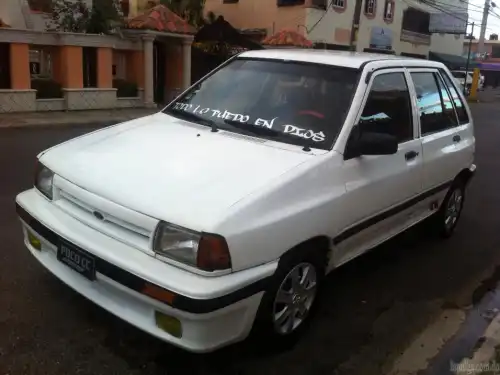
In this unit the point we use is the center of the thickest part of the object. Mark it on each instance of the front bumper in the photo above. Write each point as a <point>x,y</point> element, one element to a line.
<point>213,311</point>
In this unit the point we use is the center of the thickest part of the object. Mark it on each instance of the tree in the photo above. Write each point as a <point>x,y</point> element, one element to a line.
<point>69,16</point>
<point>75,16</point>
<point>106,16</point>
<point>190,10</point>
<point>493,37</point>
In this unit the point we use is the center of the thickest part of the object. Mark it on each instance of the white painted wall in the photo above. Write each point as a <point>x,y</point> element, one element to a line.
<point>17,14</point>
<point>11,13</point>
<point>325,30</point>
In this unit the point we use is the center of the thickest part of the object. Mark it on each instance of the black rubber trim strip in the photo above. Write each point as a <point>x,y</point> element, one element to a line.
<point>196,306</point>
<point>386,214</point>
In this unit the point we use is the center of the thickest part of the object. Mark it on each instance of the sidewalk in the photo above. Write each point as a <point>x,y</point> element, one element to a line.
<point>94,117</point>
<point>488,95</point>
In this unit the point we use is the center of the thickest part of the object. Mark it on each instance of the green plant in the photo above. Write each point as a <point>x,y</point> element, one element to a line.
<point>125,89</point>
<point>75,16</point>
<point>46,88</point>
<point>190,10</point>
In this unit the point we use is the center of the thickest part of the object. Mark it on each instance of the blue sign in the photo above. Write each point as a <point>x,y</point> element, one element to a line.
<point>381,38</point>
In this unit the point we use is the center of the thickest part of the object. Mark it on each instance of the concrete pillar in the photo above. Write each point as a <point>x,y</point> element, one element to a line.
<point>69,69</point>
<point>186,63</point>
<point>104,68</point>
<point>148,70</point>
<point>20,66</point>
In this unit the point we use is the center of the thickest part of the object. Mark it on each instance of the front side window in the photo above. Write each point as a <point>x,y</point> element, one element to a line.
<point>388,107</point>
<point>463,117</point>
<point>435,113</point>
<point>298,103</point>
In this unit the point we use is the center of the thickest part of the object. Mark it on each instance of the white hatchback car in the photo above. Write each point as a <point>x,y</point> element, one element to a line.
<point>225,210</point>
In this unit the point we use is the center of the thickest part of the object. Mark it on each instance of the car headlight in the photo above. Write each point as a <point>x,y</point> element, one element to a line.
<point>44,178</point>
<point>207,252</point>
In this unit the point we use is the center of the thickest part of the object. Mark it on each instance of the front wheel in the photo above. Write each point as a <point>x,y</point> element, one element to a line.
<point>288,304</point>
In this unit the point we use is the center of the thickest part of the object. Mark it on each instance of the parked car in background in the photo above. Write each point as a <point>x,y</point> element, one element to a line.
<point>460,78</point>
<point>222,213</point>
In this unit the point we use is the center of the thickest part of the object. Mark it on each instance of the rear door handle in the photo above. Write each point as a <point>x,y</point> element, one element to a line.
<point>410,155</point>
<point>457,138</point>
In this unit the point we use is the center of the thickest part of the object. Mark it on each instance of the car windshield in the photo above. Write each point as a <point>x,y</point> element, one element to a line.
<point>298,103</point>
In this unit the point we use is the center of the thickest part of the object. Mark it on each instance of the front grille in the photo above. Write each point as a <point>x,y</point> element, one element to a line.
<point>125,225</point>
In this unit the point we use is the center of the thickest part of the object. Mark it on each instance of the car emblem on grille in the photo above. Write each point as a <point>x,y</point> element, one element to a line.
<point>98,215</point>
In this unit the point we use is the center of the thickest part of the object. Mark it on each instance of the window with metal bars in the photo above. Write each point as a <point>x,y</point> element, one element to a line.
<point>370,8</point>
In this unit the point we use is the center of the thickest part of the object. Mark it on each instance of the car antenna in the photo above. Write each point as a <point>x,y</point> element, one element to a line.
<point>306,149</point>
<point>214,128</point>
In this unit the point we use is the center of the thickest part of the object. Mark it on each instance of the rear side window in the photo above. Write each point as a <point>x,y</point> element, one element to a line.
<point>435,114</point>
<point>463,118</point>
<point>388,109</point>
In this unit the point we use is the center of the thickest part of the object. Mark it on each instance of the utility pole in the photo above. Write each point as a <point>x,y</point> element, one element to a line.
<point>486,10</point>
<point>468,58</point>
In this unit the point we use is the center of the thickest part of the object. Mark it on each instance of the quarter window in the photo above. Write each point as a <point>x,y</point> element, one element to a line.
<point>463,117</point>
<point>388,109</point>
<point>434,115</point>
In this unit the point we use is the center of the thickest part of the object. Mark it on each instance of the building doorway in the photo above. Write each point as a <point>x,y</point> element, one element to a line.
<point>4,66</point>
<point>159,71</point>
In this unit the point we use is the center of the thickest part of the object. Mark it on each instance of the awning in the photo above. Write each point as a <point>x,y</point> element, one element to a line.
<point>495,67</point>
<point>452,61</point>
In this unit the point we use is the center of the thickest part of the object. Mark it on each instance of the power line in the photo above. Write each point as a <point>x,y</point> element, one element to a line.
<point>330,5</point>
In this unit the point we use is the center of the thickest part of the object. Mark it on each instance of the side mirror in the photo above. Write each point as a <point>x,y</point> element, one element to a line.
<point>370,143</point>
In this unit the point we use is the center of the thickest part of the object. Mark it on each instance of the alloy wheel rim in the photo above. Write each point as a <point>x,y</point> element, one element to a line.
<point>294,298</point>
<point>453,209</point>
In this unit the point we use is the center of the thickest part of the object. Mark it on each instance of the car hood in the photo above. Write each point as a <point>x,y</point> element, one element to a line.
<point>171,170</point>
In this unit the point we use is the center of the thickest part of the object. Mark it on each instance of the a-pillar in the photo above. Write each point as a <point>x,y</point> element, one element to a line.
<point>148,70</point>
<point>186,63</point>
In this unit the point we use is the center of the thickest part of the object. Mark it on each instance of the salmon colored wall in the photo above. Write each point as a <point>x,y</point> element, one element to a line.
<point>104,68</point>
<point>68,67</point>
<point>135,67</point>
<point>174,67</point>
<point>20,66</point>
<point>247,14</point>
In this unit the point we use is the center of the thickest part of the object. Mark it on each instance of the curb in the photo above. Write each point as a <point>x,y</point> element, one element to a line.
<point>484,359</point>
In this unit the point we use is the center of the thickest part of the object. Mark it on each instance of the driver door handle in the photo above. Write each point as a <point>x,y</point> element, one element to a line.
<point>410,155</point>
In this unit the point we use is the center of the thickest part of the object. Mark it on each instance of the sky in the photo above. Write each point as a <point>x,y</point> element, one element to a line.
<point>476,14</point>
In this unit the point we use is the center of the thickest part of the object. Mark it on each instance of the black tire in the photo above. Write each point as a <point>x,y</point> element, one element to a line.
<point>442,223</point>
<point>264,329</point>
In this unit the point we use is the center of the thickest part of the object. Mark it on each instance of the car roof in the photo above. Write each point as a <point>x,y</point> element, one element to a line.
<point>338,58</point>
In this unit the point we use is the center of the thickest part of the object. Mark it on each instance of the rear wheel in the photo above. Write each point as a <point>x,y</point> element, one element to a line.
<point>446,219</point>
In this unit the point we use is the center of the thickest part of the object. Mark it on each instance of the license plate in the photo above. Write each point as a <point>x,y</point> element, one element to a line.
<point>76,259</point>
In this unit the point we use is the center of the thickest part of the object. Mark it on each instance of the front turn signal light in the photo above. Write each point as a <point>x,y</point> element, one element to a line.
<point>213,253</point>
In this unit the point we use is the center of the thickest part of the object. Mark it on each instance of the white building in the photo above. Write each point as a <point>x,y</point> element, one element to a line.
<point>397,26</point>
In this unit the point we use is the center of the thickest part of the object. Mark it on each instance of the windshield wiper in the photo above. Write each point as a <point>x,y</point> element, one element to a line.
<point>261,130</point>
<point>193,117</point>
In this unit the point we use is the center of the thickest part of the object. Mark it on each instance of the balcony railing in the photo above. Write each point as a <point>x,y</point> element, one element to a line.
<point>414,37</point>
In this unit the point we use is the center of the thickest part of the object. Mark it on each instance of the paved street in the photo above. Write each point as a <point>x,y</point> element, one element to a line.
<point>372,309</point>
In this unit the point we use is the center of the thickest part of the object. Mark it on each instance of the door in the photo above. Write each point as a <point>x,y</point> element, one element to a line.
<point>380,187</point>
<point>465,142</point>
<point>5,66</point>
<point>438,129</point>
<point>159,72</point>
